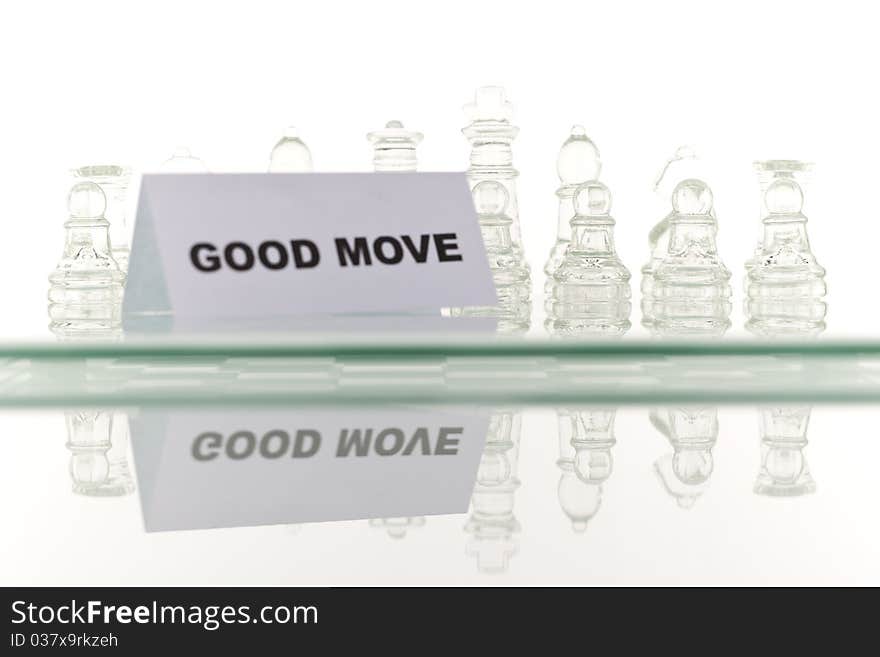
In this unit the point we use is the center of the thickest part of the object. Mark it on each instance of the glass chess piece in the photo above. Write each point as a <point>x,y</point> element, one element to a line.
<point>86,287</point>
<point>113,181</point>
<point>692,433</point>
<point>784,471</point>
<point>394,147</point>
<point>785,284</point>
<point>182,161</point>
<point>491,134</point>
<point>590,291</point>
<point>585,441</point>
<point>492,523</point>
<point>690,290</point>
<point>290,154</point>
<point>511,279</point>
<point>98,446</point>
<point>578,163</point>
<point>398,527</point>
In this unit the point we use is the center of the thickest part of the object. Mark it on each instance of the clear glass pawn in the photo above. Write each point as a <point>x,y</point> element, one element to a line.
<point>784,471</point>
<point>585,441</point>
<point>290,154</point>
<point>785,284</point>
<point>394,147</point>
<point>690,288</point>
<point>511,279</point>
<point>491,134</point>
<point>86,287</point>
<point>113,180</point>
<point>182,161</point>
<point>578,163</point>
<point>692,433</point>
<point>590,292</point>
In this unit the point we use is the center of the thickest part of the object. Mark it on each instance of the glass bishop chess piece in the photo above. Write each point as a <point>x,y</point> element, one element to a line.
<point>784,471</point>
<point>511,279</point>
<point>590,291</point>
<point>394,147</point>
<point>398,527</point>
<point>98,446</point>
<point>114,181</point>
<point>492,523</point>
<point>784,283</point>
<point>690,290</point>
<point>290,154</point>
<point>182,161</point>
<point>692,432</point>
<point>491,133</point>
<point>86,287</point>
<point>578,162</point>
<point>585,441</point>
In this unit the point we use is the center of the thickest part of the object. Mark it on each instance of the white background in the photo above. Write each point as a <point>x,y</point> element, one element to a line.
<point>91,82</point>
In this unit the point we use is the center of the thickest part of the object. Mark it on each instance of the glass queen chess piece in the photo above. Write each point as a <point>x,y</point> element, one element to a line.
<point>491,133</point>
<point>290,154</point>
<point>394,147</point>
<point>512,286</point>
<point>585,441</point>
<point>692,433</point>
<point>784,283</point>
<point>578,163</point>
<point>492,523</point>
<point>690,290</point>
<point>590,290</point>
<point>113,181</point>
<point>182,161</point>
<point>86,287</point>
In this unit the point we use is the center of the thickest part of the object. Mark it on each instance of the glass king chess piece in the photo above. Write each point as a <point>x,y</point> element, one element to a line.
<point>784,283</point>
<point>590,291</point>
<point>578,162</point>
<point>784,471</point>
<point>511,279</point>
<point>394,147</point>
<point>86,287</point>
<point>689,288</point>
<point>491,133</point>
<point>492,523</point>
<point>290,154</point>
<point>113,181</point>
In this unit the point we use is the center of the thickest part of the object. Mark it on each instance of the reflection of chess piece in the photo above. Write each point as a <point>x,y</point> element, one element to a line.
<point>511,280</point>
<point>290,154</point>
<point>491,134</point>
<point>690,292</point>
<point>692,433</point>
<point>86,286</point>
<point>590,288</point>
<point>98,445</point>
<point>585,441</point>
<point>394,148</point>
<point>784,470</point>
<point>182,161</point>
<point>398,527</point>
<point>492,523</point>
<point>113,181</point>
<point>578,162</point>
<point>784,283</point>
